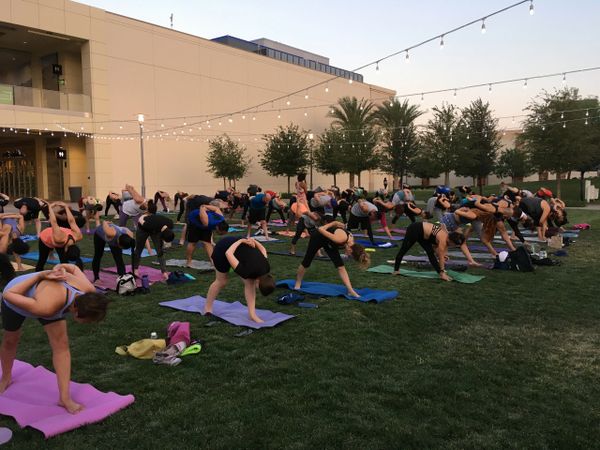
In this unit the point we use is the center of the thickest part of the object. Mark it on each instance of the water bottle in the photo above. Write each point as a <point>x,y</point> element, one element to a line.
<point>145,282</point>
<point>154,335</point>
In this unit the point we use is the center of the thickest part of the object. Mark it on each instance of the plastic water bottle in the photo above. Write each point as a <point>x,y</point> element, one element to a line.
<point>145,282</point>
<point>154,335</point>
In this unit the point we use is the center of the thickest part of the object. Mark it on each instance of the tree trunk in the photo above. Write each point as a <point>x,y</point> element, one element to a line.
<point>516,180</point>
<point>480,185</point>
<point>401,178</point>
<point>558,180</point>
<point>582,186</point>
<point>358,177</point>
<point>335,179</point>
<point>224,185</point>
<point>569,175</point>
<point>425,182</point>
<point>351,180</point>
<point>288,185</point>
<point>447,178</point>
<point>395,185</point>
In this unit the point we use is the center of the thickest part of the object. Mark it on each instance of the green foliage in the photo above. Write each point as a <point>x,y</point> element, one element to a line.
<point>328,155</point>
<point>227,159</point>
<point>426,165</point>
<point>441,141</point>
<point>400,140</point>
<point>355,120</point>
<point>286,152</point>
<point>514,163</point>
<point>479,141</point>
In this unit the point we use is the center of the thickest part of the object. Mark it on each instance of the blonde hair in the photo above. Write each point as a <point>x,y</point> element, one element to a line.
<point>360,256</point>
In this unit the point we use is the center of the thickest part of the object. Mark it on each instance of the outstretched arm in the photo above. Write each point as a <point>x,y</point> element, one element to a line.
<point>229,254</point>
<point>323,229</point>
<point>43,307</point>
<point>134,194</point>
<point>72,224</point>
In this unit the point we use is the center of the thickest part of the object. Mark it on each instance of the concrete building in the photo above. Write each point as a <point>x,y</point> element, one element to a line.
<point>74,78</point>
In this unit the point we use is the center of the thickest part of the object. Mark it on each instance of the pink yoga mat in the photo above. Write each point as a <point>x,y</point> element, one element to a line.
<point>33,395</point>
<point>108,277</point>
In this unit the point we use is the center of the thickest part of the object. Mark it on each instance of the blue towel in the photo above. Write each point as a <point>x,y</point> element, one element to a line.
<point>234,313</point>
<point>35,256</point>
<point>127,251</point>
<point>337,290</point>
<point>368,244</point>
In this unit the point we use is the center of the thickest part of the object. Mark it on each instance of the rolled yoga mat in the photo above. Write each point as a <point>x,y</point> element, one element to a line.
<point>338,290</point>
<point>31,400</point>
<point>234,313</point>
<point>459,277</point>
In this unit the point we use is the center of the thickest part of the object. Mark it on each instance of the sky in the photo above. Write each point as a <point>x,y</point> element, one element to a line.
<point>561,36</point>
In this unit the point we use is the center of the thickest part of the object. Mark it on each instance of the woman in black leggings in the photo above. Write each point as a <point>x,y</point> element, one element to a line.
<point>112,199</point>
<point>158,228</point>
<point>308,221</point>
<point>180,198</point>
<point>429,235</point>
<point>331,237</point>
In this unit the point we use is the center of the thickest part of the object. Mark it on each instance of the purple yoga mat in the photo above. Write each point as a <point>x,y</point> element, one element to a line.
<point>108,280</point>
<point>33,395</point>
<point>392,230</point>
<point>449,263</point>
<point>234,313</point>
<point>154,275</point>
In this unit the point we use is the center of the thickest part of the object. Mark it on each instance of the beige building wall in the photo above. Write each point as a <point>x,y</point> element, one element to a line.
<point>130,67</point>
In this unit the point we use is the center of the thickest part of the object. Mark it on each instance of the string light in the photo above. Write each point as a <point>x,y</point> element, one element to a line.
<point>306,95</point>
<point>483,29</point>
<point>531,8</point>
<point>377,66</point>
<point>490,87</point>
<point>407,57</point>
<point>525,84</point>
<point>564,124</point>
<point>442,42</point>
<point>350,81</point>
<point>564,80</point>
<point>326,88</point>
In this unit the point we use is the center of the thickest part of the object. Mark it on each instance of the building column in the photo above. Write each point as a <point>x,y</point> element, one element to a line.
<point>41,167</point>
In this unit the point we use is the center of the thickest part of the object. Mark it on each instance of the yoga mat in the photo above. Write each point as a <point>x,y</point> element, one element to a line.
<point>29,237</point>
<point>108,280</point>
<point>483,248</point>
<point>459,277</point>
<point>34,256</point>
<point>31,399</point>
<point>264,239</point>
<point>203,266</point>
<point>338,290</point>
<point>277,224</point>
<point>368,244</point>
<point>289,233</point>
<point>234,313</point>
<point>301,255</point>
<point>476,256</point>
<point>450,263</point>
<point>25,267</point>
<point>383,237</point>
<point>234,229</point>
<point>154,275</point>
<point>127,251</point>
<point>392,230</point>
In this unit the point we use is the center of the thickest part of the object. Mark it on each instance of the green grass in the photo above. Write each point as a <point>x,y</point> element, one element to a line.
<point>512,361</point>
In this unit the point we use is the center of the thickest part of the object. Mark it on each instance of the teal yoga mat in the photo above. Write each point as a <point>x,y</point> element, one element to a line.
<point>459,277</point>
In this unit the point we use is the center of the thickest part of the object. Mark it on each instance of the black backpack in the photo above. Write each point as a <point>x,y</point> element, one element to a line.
<point>520,260</point>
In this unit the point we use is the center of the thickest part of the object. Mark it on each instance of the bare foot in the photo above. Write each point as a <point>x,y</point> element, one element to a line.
<point>71,406</point>
<point>297,286</point>
<point>165,276</point>
<point>353,293</point>
<point>474,264</point>
<point>256,319</point>
<point>4,383</point>
<point>396,272</point>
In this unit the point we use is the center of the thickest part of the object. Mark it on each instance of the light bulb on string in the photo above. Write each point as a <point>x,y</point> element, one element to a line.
<point>531,8</point>
<point>564,79</point>
<point>525,84</point>
<point>483,29</point>
<point>253,117</point>
<point>422,96</point>
<point>279,115</point>
<point>243,116</point>
<point>490,87</point>
<point>543,128</point>
<point>442,42</point>
<point>326,88</point>
<point>377,66</point>
<point>230,120</point>
<point>306,95</point>
<point>407,57</point>
<point>564,124</point>
<point>586,122</point>
<point>587,113</point>
<point>288,102</point>
<point>562,115</point>
<point>455,92</point>
<point>350,81</point>
<point>305,113</point>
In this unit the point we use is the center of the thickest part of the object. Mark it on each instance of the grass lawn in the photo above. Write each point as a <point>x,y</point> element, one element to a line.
<point>512,361</point>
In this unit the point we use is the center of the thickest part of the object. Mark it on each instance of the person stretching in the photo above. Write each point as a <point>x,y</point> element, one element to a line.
<point>13,225</point>
<point>63,240</point>
<point>112,199</point>
<point>276,204</point>
<point>301,189</point>
<point>117,238</point>
<point>257,213</point>
<point>92,208</point>
<point>30,208</point>
<point>201,224</point>
<point>162,197</point>
<point>159,229</point>
<point>360,216</point>
<point>180,198</point>
<point>428,236</point>
<point>48,296</point>
<point>247,258</point>
<point>330,237</point>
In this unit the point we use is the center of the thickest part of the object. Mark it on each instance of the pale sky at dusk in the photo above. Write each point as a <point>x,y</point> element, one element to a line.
<point>561,35</point>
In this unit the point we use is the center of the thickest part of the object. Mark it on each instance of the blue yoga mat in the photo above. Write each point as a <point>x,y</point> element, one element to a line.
<point>234,313</point>
<point>127,251</point>
<point>35,256</point>
<point>29,237</point>
<point>380,237</point>
<point>338,290</point>
<point>367,244</point>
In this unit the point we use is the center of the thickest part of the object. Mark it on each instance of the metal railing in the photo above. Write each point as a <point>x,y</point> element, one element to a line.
<point>43,98</point>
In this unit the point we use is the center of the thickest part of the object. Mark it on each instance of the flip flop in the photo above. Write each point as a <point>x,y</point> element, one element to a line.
<point>5,435</point>
<point>191,350</point>
<point>244,333</point>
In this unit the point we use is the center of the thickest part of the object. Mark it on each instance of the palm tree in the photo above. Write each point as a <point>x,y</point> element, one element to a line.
<point>354,119</point>
<point>401,142</point>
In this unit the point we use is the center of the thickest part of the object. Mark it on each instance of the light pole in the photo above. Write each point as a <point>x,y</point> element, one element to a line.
<point>140,118</point>
<point>311,137</point>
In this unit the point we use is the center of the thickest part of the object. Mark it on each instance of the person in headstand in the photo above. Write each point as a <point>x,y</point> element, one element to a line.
<point>434,239</point>
<point>117,238</point>
<point>331,238</point>
<point>63,240</point>
<point>248,259</point>
<point>159,229</point>
<point>257,213</point>
<point>49,296</point>
<point>202,221</point>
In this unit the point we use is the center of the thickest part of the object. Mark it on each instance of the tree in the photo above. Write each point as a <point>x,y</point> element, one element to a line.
<point>400,139</point>
<point>514,163</point>
<point>555,134</point>
<point>426,165</point>
<point>441,139</point>
<point>227,159</point>
<point>286,152</point>
<point>328,156</point>
<point>479,142</point>
<point>355,120</point>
